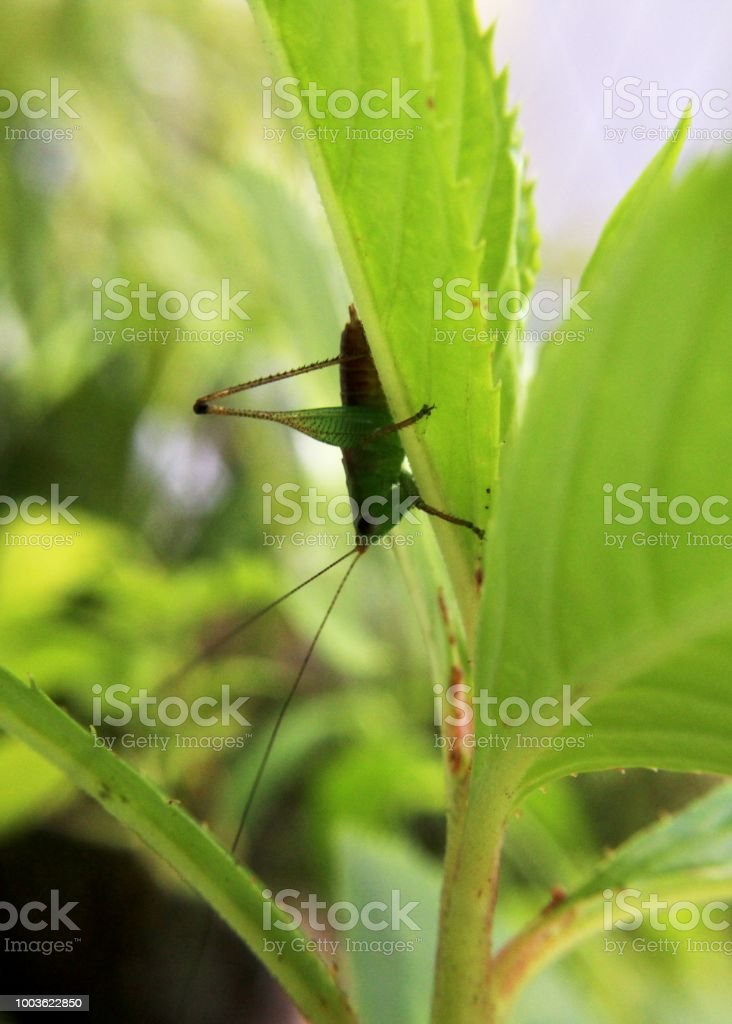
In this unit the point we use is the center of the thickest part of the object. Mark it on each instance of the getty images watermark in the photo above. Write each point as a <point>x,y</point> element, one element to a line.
<point>38,510</point>
<point>117,706</point>
<point>629,504</point>
<point>119,299</point>
<point>38,916</point>
<point>295,505</point>
<point>49,104</point>
<point>630,98</point>
<point>289,98</point>
<point>459,298</point>
<point>288,910</point>
<point>547,712</point>
<point>627,910</point>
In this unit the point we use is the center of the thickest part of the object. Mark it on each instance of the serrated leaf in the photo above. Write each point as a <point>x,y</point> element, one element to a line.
<point>434,205</point>
<point>645,632</point>
<point>695,843</point>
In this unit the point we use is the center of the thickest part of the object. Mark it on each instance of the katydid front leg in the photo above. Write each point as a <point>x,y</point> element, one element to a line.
<point>390,428</point>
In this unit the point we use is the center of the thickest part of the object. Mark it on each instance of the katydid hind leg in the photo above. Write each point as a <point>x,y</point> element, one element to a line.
<point>408,484</point>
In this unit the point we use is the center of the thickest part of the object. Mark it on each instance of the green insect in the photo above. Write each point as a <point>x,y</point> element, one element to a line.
<point>373,460</point>
<point>361,427</point>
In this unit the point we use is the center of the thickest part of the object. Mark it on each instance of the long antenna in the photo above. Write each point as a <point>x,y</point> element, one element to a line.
<point>286,703</point>
<point>175,677</point>
<point>184,1002</point>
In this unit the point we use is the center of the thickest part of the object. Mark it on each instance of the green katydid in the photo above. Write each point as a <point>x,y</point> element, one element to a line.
<point>373,459</point>
<point>361,427</point>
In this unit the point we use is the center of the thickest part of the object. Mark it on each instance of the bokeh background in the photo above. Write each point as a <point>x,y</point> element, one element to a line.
<point>165,178</point>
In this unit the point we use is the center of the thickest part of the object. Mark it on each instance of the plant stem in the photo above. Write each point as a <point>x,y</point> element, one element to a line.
<point>545,939</point>
<point>464,990</point>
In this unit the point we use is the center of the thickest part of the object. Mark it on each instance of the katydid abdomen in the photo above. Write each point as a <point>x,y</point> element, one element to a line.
<point>374,467</point>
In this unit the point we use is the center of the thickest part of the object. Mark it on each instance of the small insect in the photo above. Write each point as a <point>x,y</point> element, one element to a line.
<point>361,427</point>
<point>373,460</point>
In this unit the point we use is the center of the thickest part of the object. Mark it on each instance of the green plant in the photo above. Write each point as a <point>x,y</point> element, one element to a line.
<point>643,632</point>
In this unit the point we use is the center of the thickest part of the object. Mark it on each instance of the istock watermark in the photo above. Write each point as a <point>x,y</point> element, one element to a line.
<point>151,711</point>
<point>288,98</point>
<point>512,711</point>
<point>296,910</point>
<point>36,916</point>
<point>118,299</point>
<point>37,103</point>
<point>58,508</point>
<point>319,916</point>
<point>341,510</point>
<point>458,299</point>
<point>38,510</point>
<point>630,503</point>
<point>39,916</point>
<point>630,98</point>
<point>661,509</point>
<point>49,104</point>
<point>546,712</point>
<point>627,910</point>
<point>292,98</point>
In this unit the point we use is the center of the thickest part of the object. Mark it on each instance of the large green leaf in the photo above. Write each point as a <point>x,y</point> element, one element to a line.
<point>697,843</point>
<point>644,631</point>
<point>445,201</point>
